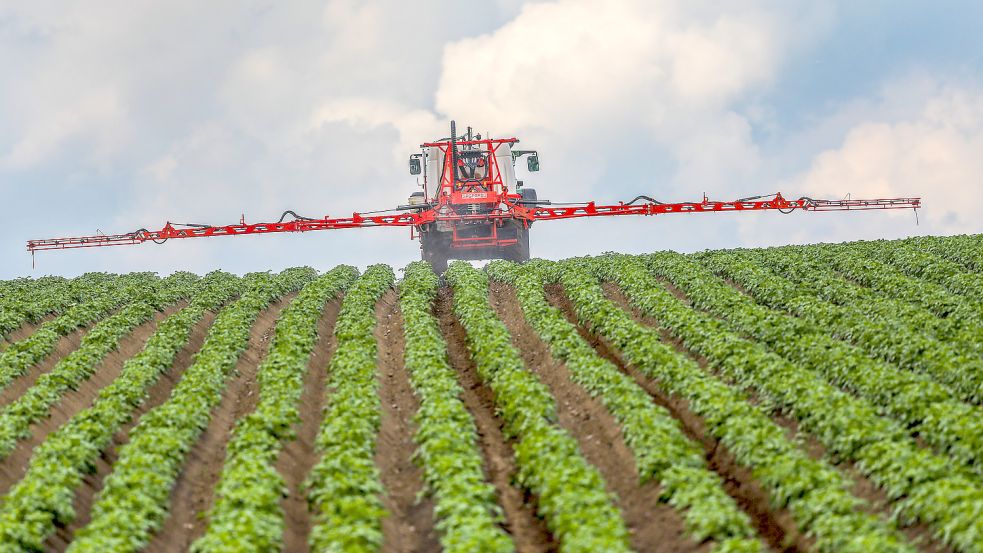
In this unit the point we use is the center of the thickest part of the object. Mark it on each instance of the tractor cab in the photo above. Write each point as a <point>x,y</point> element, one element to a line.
<point>469,181</point>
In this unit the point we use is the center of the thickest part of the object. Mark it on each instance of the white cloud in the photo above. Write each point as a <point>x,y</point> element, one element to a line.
<point>199,112</point>
<point>934,153</point>
<point>650,78</point>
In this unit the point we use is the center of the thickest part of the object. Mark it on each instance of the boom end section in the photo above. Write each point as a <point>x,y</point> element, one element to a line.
<point>852,205</point>
<point>85,241</point>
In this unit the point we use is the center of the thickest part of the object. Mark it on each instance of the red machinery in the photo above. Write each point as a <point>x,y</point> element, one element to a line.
<point>471,207</point>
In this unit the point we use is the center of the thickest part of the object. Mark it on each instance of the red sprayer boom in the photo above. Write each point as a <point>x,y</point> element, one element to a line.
<point>471,207</point>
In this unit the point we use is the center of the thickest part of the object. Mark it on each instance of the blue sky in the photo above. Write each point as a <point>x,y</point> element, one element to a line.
<point>128,114</point>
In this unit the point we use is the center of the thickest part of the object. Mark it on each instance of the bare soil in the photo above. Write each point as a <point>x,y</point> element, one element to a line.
<point>653,524</point>
<point>776,527</point>
<point>878,503</point>
<point>919,535</point>
<point>158,393</point>
<point>528,530</point>
<point>409,527</point>
<point>15,465</point>
<point>298,456</point>
<point>65,345</point>
<point>192,494</point>
<point>24,330</point>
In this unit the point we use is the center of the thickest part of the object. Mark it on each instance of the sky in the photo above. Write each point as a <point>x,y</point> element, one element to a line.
<point>117,115</point>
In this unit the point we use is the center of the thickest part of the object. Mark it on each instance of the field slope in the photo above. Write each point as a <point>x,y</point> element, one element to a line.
<point>803,398</point>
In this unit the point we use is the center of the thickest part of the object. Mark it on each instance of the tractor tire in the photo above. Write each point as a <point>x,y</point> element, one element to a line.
<point>523,246</point>
<point>519,253</point>
<point>438,264</point>
<point>436,256</point>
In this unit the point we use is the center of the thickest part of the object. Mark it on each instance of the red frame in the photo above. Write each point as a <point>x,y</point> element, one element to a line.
<point>511,211</point>
<point>445,192</point>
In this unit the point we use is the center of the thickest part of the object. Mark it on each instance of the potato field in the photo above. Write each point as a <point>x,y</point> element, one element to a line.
<point>802,398</point>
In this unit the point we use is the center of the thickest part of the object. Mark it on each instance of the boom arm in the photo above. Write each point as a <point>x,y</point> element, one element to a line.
<point>424,216</point>
<point>757,203</point>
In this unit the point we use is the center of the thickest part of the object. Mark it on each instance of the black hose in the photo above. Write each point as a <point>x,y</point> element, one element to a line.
<point>646,198</point>
<point>155,241</point>
<point>296,217</point>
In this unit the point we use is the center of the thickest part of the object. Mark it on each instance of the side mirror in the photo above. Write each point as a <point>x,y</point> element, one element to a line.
<point>532,163</point>
<point>414,166</point>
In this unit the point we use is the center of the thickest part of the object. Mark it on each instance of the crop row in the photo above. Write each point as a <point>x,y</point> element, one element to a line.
<point>133,500</point>
<point>36,298</point>
<point>79,365</point>
<point>572,495</point>
<point>960,370</point>
<point>247,498</point>
<point>14,288</point>
<point>956,306</point>
<point>344,487</point>
<point>44,496</point>
<point>967,250</point>
<point>103,299</point>
<point>662,452</point>
<point>913,261</point>
<point>465,508</point>
<point>813,277</point>
<point>888,281</point>
<point>927,408</point>
<point>813,491</point>
<point>849,427</point>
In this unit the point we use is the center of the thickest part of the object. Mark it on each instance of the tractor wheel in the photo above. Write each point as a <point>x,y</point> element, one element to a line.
<point>523,246</point>
<point>436,257</point>
<point>439,264</point>
<point>519,253</point>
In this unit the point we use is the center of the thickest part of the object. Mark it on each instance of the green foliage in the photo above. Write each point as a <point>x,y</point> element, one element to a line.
<point>929,409</point>
<point>133,501</point>
<point>344,488</point>
<point>465,509</point>
<point>101,298</point>
<point>849,427</point>
<point>43,498</point>
<point>814,277</point>
<point>964,249</point>
<point>35,404</point>
<point>662,452</point>
<point>911,258</point>
<point>247,505</point>
<point>572,496</point>
<point>28,300</point>
<point>814,492</point>
<point>888,281</point>
<point>878,336</point>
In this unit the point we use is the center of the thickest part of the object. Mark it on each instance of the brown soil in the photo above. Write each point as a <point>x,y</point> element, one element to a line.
<point>878,503</point>
<point>158,393</point>
<point>192,494</point>
<point>298,456</point>
<point>24,330</point>
<point>65,345</point>
<point>919,535</point>
<point>15,465</point>
<point>776,527</point>
<point>528,531</point>
<point>653,524</point>
<point>410,525</point>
